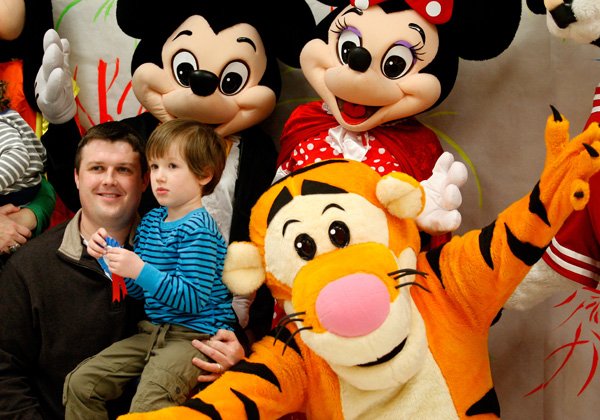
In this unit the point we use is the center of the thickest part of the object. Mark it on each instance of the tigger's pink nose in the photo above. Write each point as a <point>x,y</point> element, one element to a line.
<point>353,305</point>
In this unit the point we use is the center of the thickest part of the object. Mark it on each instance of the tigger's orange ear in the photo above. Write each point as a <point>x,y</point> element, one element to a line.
<point>401,195</point>
<point>243,271</point>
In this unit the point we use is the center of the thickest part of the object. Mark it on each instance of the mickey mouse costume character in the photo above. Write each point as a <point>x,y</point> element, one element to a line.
<point>376,64</point>
<point>211,61</point>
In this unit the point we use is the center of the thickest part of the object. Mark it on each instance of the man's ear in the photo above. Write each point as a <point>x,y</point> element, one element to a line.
<point>145,180</point>
<point>76,175</point>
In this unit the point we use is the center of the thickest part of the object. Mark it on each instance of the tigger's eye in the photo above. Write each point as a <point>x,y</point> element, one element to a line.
<point>339,234</point>
<point>305,246</point>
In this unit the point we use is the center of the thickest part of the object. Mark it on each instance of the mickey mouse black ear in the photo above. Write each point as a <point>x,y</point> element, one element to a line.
<point>137,17</point>
<point>142,18</point>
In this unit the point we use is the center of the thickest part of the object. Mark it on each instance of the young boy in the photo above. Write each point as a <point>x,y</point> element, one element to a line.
<point>22,156</point>
<point>176,267</point>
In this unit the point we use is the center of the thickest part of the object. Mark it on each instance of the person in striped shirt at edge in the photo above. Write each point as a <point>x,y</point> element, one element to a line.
<point>22,156</point>
<point>22,160</point>
<point>176,266</point>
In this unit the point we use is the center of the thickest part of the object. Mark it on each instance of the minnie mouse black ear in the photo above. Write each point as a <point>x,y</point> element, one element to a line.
<point>484,29</point>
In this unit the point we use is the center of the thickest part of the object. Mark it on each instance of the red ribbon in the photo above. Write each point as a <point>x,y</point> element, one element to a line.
<point>119,289</point>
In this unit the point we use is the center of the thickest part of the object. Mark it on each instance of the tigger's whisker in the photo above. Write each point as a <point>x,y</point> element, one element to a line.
<point>405,272</point>
<point>285,317</point>
<point>281,326</point>
<point>292,336</point>
<point>408,283</point>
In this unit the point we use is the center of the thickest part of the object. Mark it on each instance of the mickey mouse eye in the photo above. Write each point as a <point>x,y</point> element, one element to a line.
<point>234,77</point>
<point>398,61</point>
<point>183,64</point>
<point>305,246</point>
<point>339,234</point>
<point>347,41</point>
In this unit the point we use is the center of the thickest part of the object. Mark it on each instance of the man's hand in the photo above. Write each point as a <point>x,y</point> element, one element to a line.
<point>224,348</point>
<point>12,234</point>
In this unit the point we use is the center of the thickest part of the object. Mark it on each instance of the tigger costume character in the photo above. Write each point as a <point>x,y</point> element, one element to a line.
<point>375,329</point>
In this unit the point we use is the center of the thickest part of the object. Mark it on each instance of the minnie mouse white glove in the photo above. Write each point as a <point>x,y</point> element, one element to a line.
<point>442,196</point>
<point>53,83</point>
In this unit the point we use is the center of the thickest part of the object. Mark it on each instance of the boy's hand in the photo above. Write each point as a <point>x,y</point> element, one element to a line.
<point>97,243</point>
<point>123,262</point>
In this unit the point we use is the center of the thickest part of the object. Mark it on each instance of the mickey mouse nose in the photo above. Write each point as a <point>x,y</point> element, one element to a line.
<point>203,83</point>
<point>359,59</point>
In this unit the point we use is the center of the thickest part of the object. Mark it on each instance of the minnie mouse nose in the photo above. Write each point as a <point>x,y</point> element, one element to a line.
<point>203,83</point>
<point>359,59</point>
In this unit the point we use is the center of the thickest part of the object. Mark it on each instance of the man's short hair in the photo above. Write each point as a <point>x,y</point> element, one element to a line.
<point>113,131</point>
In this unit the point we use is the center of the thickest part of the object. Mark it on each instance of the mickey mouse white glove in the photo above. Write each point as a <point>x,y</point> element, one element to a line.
<point>442,196</point>
<point>53,83</point>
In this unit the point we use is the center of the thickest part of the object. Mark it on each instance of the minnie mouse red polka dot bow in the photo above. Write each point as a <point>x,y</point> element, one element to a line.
<point>434,11</point>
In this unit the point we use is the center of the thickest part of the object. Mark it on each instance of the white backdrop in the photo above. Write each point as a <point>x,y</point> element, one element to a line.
<point>496,114</point>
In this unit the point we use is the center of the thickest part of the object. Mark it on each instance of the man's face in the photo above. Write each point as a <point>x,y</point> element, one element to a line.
<point>110,184</point>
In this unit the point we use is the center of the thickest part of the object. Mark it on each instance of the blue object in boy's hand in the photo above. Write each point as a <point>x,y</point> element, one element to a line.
<point>110,243</point>
<point>113,243</point>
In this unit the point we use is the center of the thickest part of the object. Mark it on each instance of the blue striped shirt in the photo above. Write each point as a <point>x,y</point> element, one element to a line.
<point>182,276</point>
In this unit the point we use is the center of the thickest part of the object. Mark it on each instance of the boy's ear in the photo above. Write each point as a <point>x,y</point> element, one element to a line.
<point>208,176</point>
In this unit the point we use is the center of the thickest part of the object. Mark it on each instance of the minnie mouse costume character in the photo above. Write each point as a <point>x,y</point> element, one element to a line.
<point>211,61</point>
<point>376,64</point>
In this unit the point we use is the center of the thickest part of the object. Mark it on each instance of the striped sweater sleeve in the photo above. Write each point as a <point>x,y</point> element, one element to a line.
<point>14,158</point>
<point>189,286</point>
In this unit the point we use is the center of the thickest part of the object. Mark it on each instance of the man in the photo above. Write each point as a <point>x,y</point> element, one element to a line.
<point>57,305</point>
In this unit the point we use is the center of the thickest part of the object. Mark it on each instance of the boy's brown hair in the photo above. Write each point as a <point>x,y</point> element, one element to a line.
<point>203,150</point>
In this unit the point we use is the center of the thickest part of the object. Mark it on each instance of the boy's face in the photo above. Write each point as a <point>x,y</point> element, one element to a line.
<point>173,183</point>
<point>110,184</point>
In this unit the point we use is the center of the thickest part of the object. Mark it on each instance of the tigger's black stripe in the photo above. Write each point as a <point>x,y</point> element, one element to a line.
<point>485,243</point>
<point>488,404</point>
<point>284,336</point>
<point>524,251</point>
<point>315,187</point>
<point>249,405</point>
<point>433,257</point>
<point>202,407</point>
<point>258,369</point>
<point>284,197</point>
<point>536,206</point>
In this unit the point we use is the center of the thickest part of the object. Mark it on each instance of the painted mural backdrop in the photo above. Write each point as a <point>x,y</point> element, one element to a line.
<point>545,360</point>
